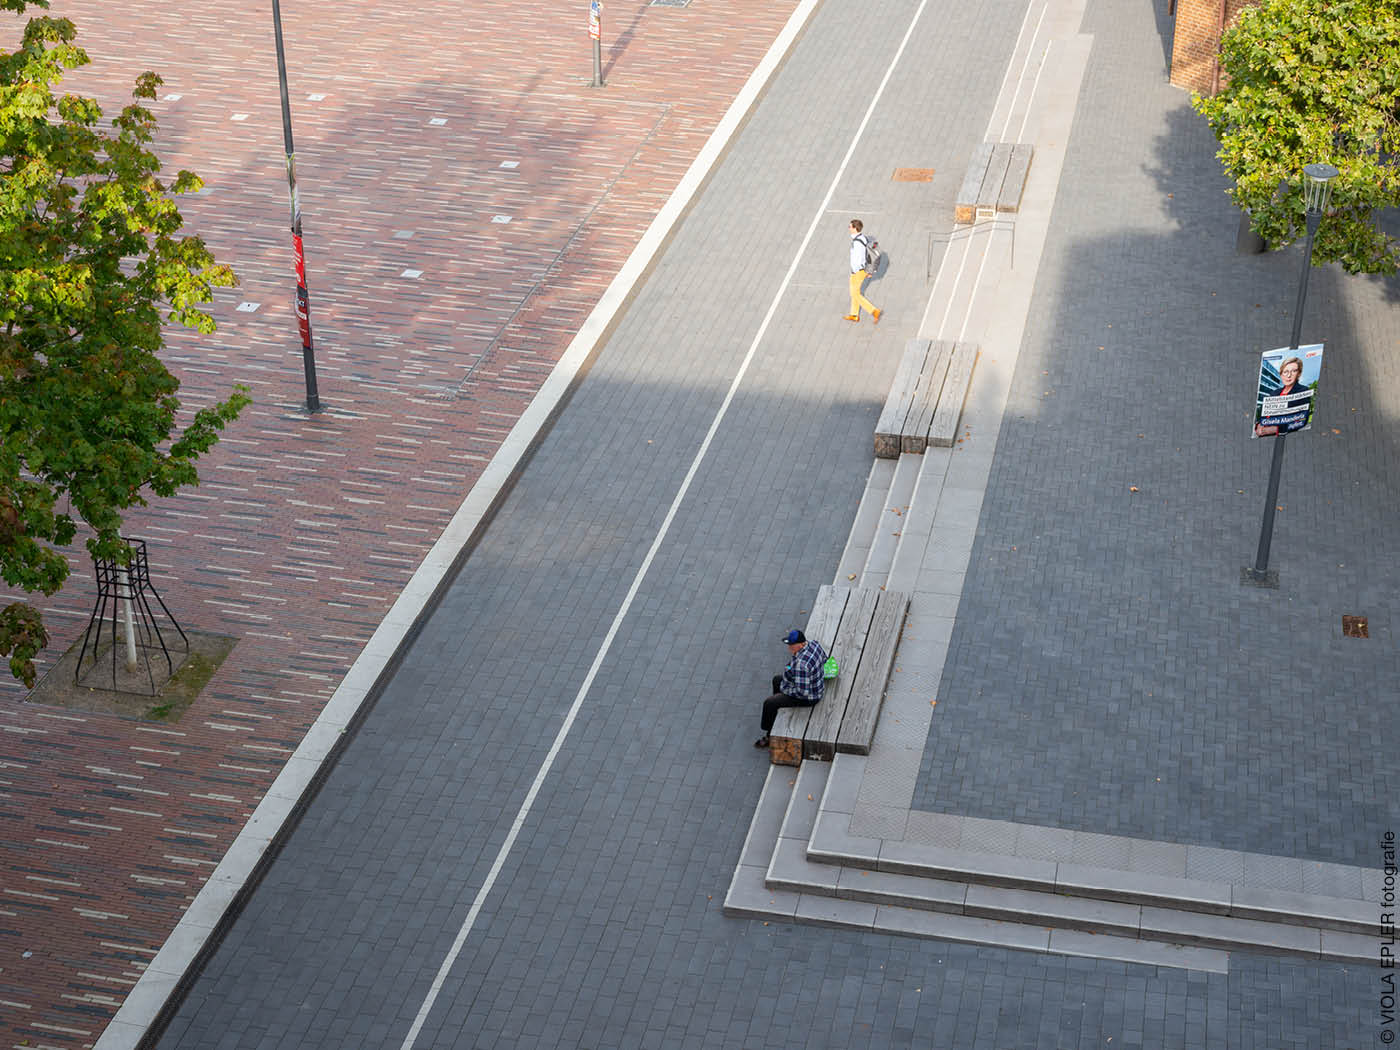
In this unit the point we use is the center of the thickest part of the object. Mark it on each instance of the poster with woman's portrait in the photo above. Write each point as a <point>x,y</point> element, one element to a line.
<point>1287,389</point>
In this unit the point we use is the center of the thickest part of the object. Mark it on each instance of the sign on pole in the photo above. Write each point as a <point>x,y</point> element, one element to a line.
<point>595,30</point>
<point>1288,379</point>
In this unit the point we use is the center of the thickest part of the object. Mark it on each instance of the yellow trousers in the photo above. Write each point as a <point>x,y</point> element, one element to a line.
<point>857,299</point>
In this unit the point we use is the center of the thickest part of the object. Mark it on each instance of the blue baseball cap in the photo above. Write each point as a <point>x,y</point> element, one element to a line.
<point>794,637</point>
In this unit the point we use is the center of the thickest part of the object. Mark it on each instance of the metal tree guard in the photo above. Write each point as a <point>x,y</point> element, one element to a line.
<point>122,593</point>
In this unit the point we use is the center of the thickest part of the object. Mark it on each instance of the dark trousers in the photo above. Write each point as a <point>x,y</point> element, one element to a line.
<point>778,701</point>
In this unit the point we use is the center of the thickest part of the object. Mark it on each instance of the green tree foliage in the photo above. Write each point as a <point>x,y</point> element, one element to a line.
<point>91,256</point>
<point>1314,81</point>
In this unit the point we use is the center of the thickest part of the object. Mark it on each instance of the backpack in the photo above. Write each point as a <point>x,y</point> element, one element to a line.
<point>872,254</point>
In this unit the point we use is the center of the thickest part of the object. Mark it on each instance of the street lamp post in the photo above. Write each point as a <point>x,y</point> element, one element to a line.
<point>303,304</point>
<point>595,32</point>
<point>1317,188</point>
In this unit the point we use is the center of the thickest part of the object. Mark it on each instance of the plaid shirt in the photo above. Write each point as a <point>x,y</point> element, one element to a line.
<point>803,676</point>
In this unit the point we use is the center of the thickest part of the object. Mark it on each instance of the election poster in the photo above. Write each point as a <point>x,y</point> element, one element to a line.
<point>1288,379</point>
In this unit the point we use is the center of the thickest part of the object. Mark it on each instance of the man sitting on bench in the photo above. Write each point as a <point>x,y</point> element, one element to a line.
<point>800,684</point>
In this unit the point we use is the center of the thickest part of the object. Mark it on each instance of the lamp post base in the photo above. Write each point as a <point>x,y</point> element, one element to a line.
<point>1252,577</point>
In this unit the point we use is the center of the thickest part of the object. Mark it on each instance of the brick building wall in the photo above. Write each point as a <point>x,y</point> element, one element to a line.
<point>1196,41</point>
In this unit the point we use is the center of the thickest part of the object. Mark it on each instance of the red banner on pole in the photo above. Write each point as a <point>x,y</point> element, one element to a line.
<point>300,260</point>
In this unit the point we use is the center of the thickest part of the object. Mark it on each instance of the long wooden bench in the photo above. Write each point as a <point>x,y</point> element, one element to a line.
<point>926,399</point>
<point>860,626</point>
<point>995,177</point>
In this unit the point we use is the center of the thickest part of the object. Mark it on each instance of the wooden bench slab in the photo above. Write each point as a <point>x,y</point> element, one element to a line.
<point>825,723</point>
<point>996,176</point>
<point>862,715</point>
<point>950,403</point>
<point>920,418</point>
<point>864,642</point>
<point>889,430</point>
<point>1009,199</point>
<point>990,189</point>
<point>925,409</point>
<point>790,727</point>
<point>965,210</point>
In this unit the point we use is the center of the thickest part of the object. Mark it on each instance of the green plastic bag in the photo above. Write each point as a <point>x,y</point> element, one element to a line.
<point>831,668</point>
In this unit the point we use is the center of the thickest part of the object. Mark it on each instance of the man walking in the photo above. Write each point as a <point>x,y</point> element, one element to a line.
<point>801,683</point>
<point>859,243</point>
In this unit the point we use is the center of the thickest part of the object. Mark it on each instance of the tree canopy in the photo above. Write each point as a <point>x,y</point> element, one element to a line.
<point>1314,81</point>
<point>92,264</point>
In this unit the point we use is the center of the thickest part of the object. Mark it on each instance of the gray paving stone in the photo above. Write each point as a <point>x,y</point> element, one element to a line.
<point>908,891</point>
<point>880,822</point>
<point>934,829</point>
<point>1101,851</point>
<point>1278,873</point>
<point>1332,880</point>
<point>843,783</point>
<point>832,842</point>
<point>989,836</point>
<point>805,800</point>
<point>1372,884</point>
<point>1184,927</point>
<point>1214,865</point>
<point>1133,950</point>
<point>829,911</point>
<point>767,818</point>
<point>749,896</point>
<point>1158,858</point>
<point>912,858</point>
<point>1255,902</point>
<point>1349,947</point>
<point>1052,909</point>
<point>791,870</point>
<point>1140,888</point>
<point>1041,843</point>
<point>961,928</point>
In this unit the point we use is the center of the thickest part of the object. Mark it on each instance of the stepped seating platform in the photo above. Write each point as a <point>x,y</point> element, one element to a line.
<point>801,863</point>
<point>829,846</point>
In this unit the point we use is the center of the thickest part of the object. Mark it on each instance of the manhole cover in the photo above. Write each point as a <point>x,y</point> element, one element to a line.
<point>1355,627</point>
<point>912,175</point>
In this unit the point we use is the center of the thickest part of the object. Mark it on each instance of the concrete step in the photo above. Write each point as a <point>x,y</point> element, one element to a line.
<point>748,896</point>
<point>1030,913</point>
<point>918,519</point>
<point>784,806</point>
<point>833,844</point>
<point>867,521</point>
<point>965,929</point>
<point>1150,874</point>
<point>892,519</point>
<point>776,881</point>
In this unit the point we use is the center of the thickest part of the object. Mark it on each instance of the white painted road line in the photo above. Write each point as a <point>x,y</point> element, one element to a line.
<point>523,813</point>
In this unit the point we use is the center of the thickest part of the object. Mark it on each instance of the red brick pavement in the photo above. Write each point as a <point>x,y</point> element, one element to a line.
<point>305,529</point>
